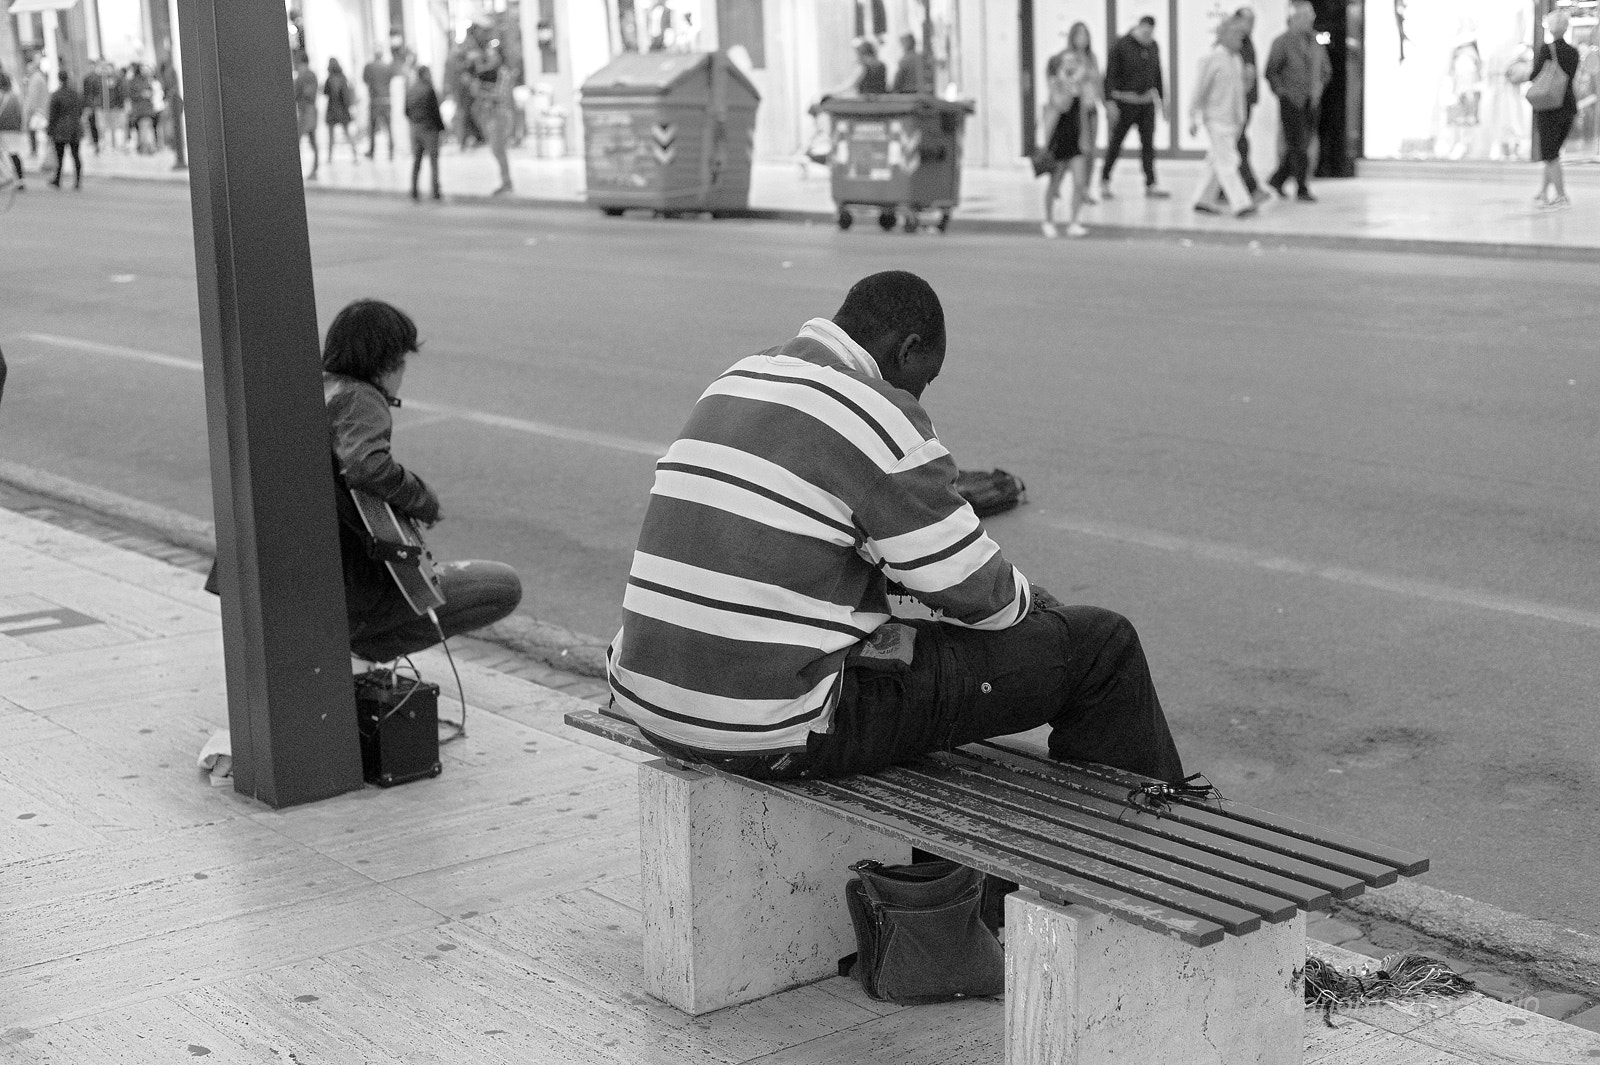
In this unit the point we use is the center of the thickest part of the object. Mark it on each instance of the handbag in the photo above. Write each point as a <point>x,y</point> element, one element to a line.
<point>1548,91</point>
<point>920,933</point>
<point>1042,161</point>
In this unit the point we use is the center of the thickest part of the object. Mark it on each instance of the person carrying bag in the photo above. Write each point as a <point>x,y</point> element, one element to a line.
<point>1548,91</point>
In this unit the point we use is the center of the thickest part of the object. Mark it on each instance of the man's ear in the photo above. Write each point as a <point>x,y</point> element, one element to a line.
<point>903,352</point>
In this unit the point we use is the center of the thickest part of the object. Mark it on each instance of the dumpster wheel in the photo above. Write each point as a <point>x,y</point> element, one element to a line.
<point>912,222</point>
<point>887,219</point>
<point>845,219</point>
<point>611,212</point>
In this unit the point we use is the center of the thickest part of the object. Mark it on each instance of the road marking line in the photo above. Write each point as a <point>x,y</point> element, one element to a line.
<point>497,421</point>
<point>1217,552</point>
<point>1430,591</point>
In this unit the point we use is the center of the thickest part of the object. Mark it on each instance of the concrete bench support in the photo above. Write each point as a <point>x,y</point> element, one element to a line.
<point>1083,988</point>
<point>743,889</point>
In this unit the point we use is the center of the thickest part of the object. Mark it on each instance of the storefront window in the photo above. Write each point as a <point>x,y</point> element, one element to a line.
<point>1444,78</point>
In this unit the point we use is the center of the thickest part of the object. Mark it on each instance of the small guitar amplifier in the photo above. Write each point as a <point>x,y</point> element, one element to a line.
<point>399,721</point>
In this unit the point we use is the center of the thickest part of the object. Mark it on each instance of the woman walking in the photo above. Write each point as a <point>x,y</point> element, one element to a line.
<point>1555,124</point>
<point>11,138</point>
<point>1073,78</point>
<point>341,98</point>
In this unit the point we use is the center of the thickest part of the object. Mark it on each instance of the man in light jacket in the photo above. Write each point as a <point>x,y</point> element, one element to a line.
<point>1298,71</point>
<point>1219,105</point>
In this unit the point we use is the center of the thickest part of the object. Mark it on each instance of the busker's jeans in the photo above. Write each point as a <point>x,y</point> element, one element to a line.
<point>475,594</point>
<point>1079,669</point>
<point>1129,116</point>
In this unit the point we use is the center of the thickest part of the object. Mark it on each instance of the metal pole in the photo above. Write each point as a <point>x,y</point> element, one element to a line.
<point>291,705</point>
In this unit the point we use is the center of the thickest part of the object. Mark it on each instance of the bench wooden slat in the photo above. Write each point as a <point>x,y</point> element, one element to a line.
<point>1048,881</point>
<point>1372,873</point>
<point>875,794</point>
<point>1403,862</point>
<point>929,773</point>
<point>1324,880</point>
<point>1048,830</point>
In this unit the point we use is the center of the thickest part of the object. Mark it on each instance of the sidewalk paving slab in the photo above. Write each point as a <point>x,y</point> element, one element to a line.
<point>1466,208</point>
<point>490,914</point>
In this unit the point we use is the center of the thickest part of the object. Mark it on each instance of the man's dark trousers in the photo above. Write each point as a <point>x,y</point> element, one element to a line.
<point>1298,122</point>
<point>1079,669</point>
<point>1129,116</point>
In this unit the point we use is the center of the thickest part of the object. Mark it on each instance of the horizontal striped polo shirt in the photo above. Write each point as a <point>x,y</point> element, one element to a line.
<point>802,484</point>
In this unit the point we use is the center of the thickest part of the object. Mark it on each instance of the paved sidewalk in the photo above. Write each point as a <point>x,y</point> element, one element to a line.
<point>1471,208</point>
<point>491,914</point>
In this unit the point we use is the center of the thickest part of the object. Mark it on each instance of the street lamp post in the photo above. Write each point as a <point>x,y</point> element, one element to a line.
<point>291,704</point>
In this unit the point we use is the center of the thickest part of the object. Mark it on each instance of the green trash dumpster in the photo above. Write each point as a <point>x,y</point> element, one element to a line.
<point>672,132</point>
<point>899,153</point>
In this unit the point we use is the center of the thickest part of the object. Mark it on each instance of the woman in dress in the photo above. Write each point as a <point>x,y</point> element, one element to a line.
<point>1555,124</point>
<point>341,98</point>
<point>1073,78</point>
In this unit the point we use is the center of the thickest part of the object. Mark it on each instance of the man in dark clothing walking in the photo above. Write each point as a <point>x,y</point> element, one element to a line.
<point>1298,71</point>
<point>93,93</point>
<point>427,123</point>
<point>1133,92</point>
<point>66,130</point>
<point>377,75</point>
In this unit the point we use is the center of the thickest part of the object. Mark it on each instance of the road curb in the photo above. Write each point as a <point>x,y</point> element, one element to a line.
<point>1555,956</point>
<point>551,644</point>
<point>1255,240</point>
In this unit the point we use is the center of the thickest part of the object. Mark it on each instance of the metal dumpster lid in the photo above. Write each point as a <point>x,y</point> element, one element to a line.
<point>635,74</point>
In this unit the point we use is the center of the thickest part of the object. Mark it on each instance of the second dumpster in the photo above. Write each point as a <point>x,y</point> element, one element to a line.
<point>669,131</point>
<point>899,153</point>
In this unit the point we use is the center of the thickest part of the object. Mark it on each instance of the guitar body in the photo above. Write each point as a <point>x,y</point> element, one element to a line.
<point>405,554</point>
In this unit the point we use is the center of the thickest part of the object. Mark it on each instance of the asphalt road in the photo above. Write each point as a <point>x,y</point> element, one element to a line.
<point>1348,497</point>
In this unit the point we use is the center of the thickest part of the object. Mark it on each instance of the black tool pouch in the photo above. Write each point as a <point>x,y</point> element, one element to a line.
<point>920,935</point>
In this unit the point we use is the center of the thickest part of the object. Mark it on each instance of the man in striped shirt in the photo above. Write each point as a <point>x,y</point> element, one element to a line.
<point>807,491</point>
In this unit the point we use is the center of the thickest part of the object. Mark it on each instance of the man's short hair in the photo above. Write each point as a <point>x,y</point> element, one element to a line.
<point>894,302</point>
<point>368,339</point>
<point>1148,20</point>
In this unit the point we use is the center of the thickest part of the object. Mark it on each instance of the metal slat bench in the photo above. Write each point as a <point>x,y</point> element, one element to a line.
<point>1140,934</point>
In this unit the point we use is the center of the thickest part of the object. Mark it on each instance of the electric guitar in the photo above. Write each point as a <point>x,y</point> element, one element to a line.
<point>398,544</point>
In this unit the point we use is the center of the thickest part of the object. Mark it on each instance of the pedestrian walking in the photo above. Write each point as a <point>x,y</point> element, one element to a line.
<point>492,105</point>
<point>1555,123</point>
<point>339,113</point>
<point>1298,71</point>
<point>92,93</point>
<point>1218,105</point>
<point>172,124</point>
<point>66,130</point>
<point>11,133</point>
<point>427,126</point>
<point>1252,96</point>
<point>115,96</point>
<point>913,73</point>
<point>1073,80</point>
<point>305,108</point>
<point>1133,91</point>
<point>35,106</point>
<point>141,108</point>
<point>377,76</point>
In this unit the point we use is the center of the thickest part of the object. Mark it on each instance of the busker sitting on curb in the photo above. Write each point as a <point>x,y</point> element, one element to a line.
<point>363,363</point>
<point>757,630</point>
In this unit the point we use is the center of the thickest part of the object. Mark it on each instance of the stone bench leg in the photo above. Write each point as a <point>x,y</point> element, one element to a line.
<point>1083,988</point>
<point>743,889</point>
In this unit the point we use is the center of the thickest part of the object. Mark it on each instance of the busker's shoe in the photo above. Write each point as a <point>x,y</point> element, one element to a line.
<point>1156,192</point>
<point>1049,230</point>
<point>1077,229</point>
<point>1245,212</point>
<point>1207,208</point>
